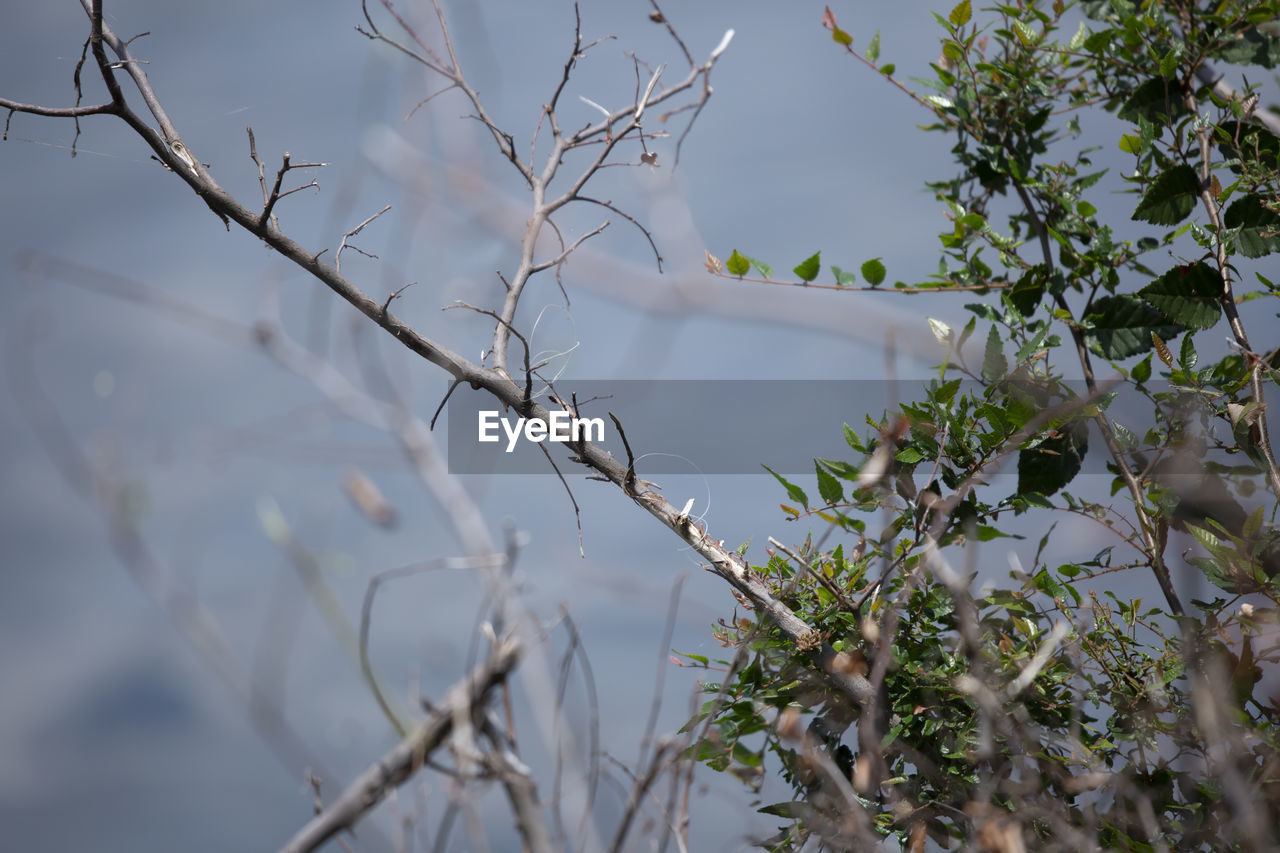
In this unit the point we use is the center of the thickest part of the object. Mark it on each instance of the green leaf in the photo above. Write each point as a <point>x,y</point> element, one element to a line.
<point>1252,524</point>
<point>1187,356</point>
<point>841,469</point>
<point>764,269</point>
<point>873,49</point>
<point>795,810</point>
<point>738,264</point>
<point>809,268</point>
<point>1253,47</point>
<point>828,486</point>
<point>1155,100</point>
<point>1257,145</point>
<point>1028,290</point>
<point>1141,371</point>
<point>1052,463</point>
<point>961,14</point>
<point>908,456</point>
<point>1121,326</point>
<point>793,491</point>
<point>1259,226</point>
<point>844,278</point>
<point>851,438</point>
<point>841,36</point>
<point>1077,40</point>
<point>1188,295</point>
<point>1170,198</point>
<point>1131,144</point>
<point>873,271</point>
<point>994,364</point>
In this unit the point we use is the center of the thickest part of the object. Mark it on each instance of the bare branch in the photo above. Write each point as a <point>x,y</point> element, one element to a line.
<point>337,260</point>
<point>563,256</point>
<point>608,205</point>
<point>402,761</point>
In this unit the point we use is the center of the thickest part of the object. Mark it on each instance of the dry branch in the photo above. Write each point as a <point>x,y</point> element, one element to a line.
<point>464,698</point>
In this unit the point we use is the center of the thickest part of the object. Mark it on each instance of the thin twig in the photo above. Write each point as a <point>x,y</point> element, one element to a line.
<point>402,760</point>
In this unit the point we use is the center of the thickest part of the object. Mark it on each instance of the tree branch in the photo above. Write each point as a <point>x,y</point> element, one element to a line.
<point>402,761</point>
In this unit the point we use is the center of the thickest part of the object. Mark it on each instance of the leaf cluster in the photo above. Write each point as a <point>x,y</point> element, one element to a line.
<point>1053,713</point>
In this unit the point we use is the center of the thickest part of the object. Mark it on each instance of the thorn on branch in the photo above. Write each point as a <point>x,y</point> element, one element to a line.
<point>453,386</point>
<point>629,483</point>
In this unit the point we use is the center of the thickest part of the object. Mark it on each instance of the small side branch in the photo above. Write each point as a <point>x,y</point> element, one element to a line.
<point>337,261</point>
<point>403,760</point>
<point>608,205</point>
<point>564,255</point>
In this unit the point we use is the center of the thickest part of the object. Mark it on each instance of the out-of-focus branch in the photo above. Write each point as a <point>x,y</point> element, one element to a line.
<point>464,698</point>
<point>1227,299</point>
<point>1210,76</point>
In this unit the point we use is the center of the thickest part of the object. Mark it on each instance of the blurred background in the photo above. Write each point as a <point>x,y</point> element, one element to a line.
<point>128,348</point>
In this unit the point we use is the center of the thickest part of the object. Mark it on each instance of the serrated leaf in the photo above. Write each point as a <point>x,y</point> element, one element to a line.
<point>738,264</point>
<point>714,264</point>
<point>1124,436</point>
<point>1121,326</point>
<point>1027,35</point>
<point>793,491</point>
<point>1131,144</point>
<point>1254,46</point>
<point>873,49</point>
<point>994,364</point>
<point>808,269</point>
<point>961,14</point>
<point>1054,462</point>
<point>1077,40</point>
<point>873,271</point>
<point>1170,198</point>
<point>1259,226</point>
<point>1162,349</point>
<point>828,486</point>
<point>1188,295</point>
<point>1187,356</point>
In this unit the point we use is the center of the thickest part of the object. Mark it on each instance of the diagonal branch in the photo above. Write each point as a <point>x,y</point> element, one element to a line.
<point>403,760</point>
